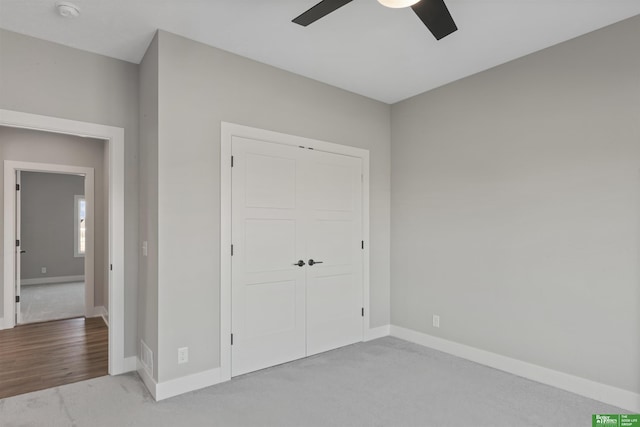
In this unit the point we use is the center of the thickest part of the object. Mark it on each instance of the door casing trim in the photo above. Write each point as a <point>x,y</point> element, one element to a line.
<point>228,131</point>
<point>114,137</point>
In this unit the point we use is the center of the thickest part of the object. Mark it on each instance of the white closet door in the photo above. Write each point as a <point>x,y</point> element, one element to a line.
<point>294,206</point>
<point>334,281</point>
<point>268,290</point>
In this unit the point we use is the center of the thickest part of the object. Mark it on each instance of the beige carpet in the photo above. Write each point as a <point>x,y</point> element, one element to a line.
<point>386,382</point>
<point>51,301</point>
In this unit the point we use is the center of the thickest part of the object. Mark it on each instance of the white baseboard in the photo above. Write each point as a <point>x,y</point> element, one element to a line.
<point>59,279</point>
<point>605,393</point>
<point>167,389</point>
<point>148,381</point>
<point>130,364</point>
<point>101,311</point>
<point>171,388</point>
<point>375,333</point>
<point>2,323</point>
<point>98,311</point>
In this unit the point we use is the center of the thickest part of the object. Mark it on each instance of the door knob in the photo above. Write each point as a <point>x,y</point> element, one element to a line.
<point>311,262</point>
<point>299,263</point>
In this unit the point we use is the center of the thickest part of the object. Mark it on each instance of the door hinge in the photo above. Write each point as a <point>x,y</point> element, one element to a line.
<point>363,244</point>
<point>362,311</point>
<point>231,161</point>
<point>17,243</point>
<point>111,267</point>
<point>231,339</point>
<point>17,298</point>
<point>17,187</point>
<point>231,250</point>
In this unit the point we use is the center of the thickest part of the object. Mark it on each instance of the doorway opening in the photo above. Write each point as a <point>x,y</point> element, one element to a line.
<point>114,200</point>
<point>52,214</point>
<point>53,232</point>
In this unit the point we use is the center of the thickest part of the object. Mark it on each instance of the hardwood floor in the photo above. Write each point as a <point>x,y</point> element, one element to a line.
<point>44,355</point>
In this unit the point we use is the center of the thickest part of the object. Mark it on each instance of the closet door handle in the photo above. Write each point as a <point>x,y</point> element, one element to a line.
<point>311,262</point>
<point>299,263</point>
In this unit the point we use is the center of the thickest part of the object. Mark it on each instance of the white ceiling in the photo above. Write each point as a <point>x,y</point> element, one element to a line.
<point>363,47</point>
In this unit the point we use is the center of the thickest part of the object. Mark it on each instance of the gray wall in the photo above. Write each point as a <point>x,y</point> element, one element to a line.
<point>46,78</point>
<point>148,267</point>
<point>516,208</point>
<point>44,147</point>
<point>47,225</point>
<point>200,86</point>
<point>515,191</point>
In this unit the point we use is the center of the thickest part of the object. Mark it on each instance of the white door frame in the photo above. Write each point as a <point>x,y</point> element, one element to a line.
<point>10,220</point>
<point>228,131</point>
<point>17,259</point>
<point>114,137</point>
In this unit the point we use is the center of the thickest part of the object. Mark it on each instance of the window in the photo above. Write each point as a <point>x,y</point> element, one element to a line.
<point>80,225</point>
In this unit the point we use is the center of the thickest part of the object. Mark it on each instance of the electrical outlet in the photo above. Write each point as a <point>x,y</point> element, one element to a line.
<point>183,355</point>
<point>43,270</point>
<point>436,321</point>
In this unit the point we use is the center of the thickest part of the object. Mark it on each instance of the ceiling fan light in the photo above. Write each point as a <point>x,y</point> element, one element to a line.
<point>396,4</point>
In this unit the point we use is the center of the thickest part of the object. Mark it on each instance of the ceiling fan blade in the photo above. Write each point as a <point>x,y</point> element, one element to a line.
<point>323,8</point>
<point>436,17</point>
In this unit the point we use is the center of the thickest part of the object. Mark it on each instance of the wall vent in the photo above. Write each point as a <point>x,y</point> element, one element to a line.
<point>146,358</point>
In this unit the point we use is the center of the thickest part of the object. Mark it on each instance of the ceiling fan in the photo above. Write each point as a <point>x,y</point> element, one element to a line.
<point>433,13</point>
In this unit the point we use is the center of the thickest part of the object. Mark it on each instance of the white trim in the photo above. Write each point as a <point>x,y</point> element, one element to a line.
<point>366,237</point>
<point>130,364</point>
<point>2,323</point>
<point>101,311</point>
<point>375,333</point>
<point>167,389</point>
<point>115,140</point>
<point>225,244</point>
<point>76,220</point>
<point>104,313</point>
<point>47,280</point>
<point>605,393</point>
<point>228,131</point>
<point>10,169</point>
<point>148,381</point>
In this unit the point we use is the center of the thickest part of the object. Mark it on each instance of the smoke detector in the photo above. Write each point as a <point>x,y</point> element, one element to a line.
<point>67,10</point>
